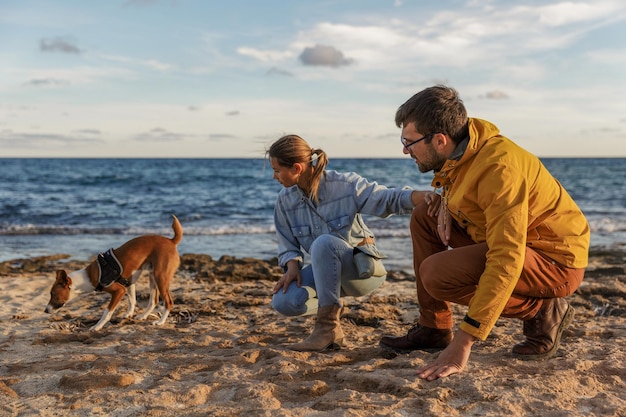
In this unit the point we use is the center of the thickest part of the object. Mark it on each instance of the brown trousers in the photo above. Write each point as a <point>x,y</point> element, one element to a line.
<point>446,275</point>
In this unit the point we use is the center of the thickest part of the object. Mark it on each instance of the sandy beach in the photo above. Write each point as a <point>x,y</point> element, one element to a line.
<point>223,352</point>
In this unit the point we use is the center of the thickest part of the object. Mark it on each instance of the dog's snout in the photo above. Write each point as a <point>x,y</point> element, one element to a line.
<point>50,308</point>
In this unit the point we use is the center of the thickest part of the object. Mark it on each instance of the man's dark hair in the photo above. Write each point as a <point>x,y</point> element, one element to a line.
<point>437,109</point>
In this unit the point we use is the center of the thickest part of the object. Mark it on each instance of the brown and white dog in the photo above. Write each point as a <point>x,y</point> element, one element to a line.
<point>154,253</point>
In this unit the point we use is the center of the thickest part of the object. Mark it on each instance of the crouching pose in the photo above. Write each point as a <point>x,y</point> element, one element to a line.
<point>519,241</point>
<point>319,211</point>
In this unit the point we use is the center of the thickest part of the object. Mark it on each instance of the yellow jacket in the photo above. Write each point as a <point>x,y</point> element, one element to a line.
<point>503,195</point>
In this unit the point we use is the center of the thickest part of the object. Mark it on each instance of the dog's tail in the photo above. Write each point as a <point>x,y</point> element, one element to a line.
<point>178,231</point>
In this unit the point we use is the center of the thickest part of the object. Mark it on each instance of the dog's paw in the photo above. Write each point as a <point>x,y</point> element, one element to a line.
<point>161,321</point>
<point>144,316</point>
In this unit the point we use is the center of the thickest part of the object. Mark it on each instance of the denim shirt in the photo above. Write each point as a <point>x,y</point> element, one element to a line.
<point>342,199</point>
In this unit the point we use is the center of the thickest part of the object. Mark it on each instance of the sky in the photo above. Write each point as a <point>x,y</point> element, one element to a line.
<point>209,78</point>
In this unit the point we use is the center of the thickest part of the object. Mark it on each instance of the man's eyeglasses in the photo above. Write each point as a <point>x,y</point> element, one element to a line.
<point>408,144</point>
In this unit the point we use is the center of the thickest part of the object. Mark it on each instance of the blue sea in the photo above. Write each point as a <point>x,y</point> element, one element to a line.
<point>81,207</point>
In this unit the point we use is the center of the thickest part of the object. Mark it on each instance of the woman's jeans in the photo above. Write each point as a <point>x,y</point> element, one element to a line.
<point>330,275</point>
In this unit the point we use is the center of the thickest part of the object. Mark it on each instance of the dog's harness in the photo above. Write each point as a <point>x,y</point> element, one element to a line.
<point>110,271</point>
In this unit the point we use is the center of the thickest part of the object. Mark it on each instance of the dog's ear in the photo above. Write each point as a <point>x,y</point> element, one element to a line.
<point>63,278</point>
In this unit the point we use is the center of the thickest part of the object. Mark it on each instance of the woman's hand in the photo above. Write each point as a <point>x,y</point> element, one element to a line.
<point>293,273</point>
<point>434,201</point>
<point>444,220</point>
<point>444,224</point>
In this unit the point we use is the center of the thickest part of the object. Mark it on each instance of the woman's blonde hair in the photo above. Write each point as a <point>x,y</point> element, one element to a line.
<point>292,149</point>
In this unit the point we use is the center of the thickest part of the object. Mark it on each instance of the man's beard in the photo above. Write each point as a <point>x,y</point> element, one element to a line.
<point>432,162</point>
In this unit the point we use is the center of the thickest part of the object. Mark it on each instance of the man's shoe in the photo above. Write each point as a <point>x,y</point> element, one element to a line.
<point>543,332</point>
<point>418,338</point>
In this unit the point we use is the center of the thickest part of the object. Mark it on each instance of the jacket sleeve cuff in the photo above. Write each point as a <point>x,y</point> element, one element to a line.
<point>283,259</point>
<point>406,200</point>
<point>480,331</point>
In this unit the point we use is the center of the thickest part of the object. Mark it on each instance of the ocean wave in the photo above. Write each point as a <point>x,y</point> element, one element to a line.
<point>607,224</point>
<point>602,225</point>
<point>190,231</point>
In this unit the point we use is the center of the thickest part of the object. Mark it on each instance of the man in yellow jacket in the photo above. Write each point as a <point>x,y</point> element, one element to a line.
<point>508,240</point>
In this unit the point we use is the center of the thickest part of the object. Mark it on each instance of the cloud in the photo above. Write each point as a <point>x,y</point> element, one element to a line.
<point>276,71</point>
<point>157,65</point>
<point>565,13</point>
<point>496,95</point>
<point>149,63</point>
<point>609,130</point>
<point>603,129</point>
<point>221,136</point>
<point>49,77</point>
<point>265,55</point>
<point>455,39</point>
<point>59,45</point>
<point>372,46</point>
<point>47,82</point>
<point>322,55</point>
<point>233,113</point>
<point>159,135</point>
<point>16,140</point>
<point>88,132</point>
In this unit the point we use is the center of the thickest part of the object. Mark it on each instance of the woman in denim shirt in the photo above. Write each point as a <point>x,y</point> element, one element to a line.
<point>319,212</point>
